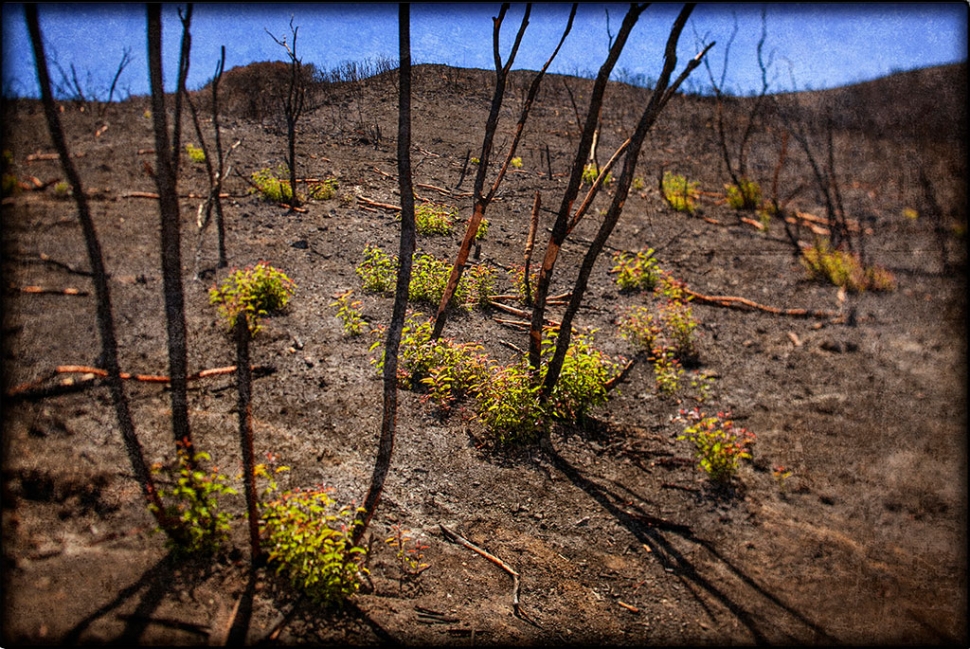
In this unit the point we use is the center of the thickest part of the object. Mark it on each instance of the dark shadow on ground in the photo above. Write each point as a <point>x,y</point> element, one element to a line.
<point>652,531</point>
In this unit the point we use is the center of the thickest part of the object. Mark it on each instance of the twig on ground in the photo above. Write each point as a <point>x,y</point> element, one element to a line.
<point>457,538</point>
<point>744,304</point>
<point>41,290</point>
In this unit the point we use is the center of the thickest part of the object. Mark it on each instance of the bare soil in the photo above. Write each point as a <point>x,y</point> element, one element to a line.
<point>618,536</point>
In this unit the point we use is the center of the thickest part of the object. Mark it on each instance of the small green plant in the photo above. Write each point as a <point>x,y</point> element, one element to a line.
<point>516,163</point>
<point>638,184</point>
<point>680,193</point>
<point>196,154</point>
<point>508,406</point>
<point>586,371</point>
<point>591,172</point>
<point>678,327</point>
<point>636,271</point>
<point>191,504</point>
<point>348,310</point>
<point>481,284</point>
<point>10,186</point>
<point>642,329</point>
<point>667,371</point>
<point>844,269</point>
<point>254,292</point>
<point>429,278</point>
<point>671,288</point>
<point>719,445</point>
<point>271,186</point>
<point>910,214</point>
<point>744,196</point>
<point>431,219</point>
<point>482,230</point>
<point>517,276</point>
<point>308,539</point>
<point>409,552</point>
<point>781,475</point>
<point>378,271</point>
<point>475,161</point>
<point>63,190</point>
<point>323,190</point>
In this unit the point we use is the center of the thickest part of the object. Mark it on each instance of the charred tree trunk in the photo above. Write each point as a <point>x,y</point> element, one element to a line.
<point>106,327</point>
<point>561,226</point>
<point>385,447</point>
<point>165,178</point>
<point>244,387</point>
<point>661,95</point>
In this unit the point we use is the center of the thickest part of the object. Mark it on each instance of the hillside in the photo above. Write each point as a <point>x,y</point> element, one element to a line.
<point>847,525</point>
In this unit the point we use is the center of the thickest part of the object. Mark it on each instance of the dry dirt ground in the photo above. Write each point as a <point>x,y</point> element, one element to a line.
<point>617,535</point>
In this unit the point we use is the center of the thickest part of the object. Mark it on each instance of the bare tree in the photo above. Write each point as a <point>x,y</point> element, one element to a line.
<point>294,101</point>
<point>392,344</point>
<point>560,228</point>
<point>165,178</point>
<point>102,291</point>
<point>217,173</point>
<point>482,201</point>
<point>737,163</point>
<point>664,90</point>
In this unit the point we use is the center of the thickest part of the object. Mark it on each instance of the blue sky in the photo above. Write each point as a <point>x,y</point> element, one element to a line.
<point>814,45</point>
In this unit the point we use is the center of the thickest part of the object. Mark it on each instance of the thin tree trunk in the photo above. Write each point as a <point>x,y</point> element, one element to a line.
<point>165,178</point>
<point>106,327</point>
<point>661,95</point>
<point>385,448</point>
<point>482,203</point>
<point>560,228</point>
<point>244,387</point>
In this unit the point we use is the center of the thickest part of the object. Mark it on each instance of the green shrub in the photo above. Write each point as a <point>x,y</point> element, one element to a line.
<point>591,172</point>
<point>586,371</point>
<point>192,504</point>
<point>429,278</point>
<point>719,446</point>
<point>378,271</point>
<point>270,186</point>
<point>636,272</point>
<point>431,219</point>
<point>516,163</point>
<point>507,405</point>
<point>348,311</point>
<point>844,269</point>
<point>482,230</point>
<point>323,190</point>
<point>255,292</point>
<point>308,539</point>
<point>744,196</point>
<point>680,193</point>
<point>196,154</point>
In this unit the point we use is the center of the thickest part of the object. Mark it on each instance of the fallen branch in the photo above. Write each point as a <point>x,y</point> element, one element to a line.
<point>457,538</point>
<point>745,304</point>
<point>37,389</point>
<point>383,206</point>
<point>519,312</point>
<point>49,291</point>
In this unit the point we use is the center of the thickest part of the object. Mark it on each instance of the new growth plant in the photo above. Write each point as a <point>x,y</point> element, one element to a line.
<point>845,269</point>
<point>429,278</point>
<point>591,172</point>
<point>348,311</point>
<point>254,292</point>
<point>681,194</point>
<point>196,154</point>
<point>746,195</point>
<point>191,504</point>
<point>308,539</point>
<point>636,271</point>
<point>431,219</point>
<point>719,445</point>
<point>268,184</point>
<point>323,190</point>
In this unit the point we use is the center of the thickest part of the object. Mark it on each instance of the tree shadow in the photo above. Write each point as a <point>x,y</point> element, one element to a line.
<point>155,582</point>
<point>652,531</point>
